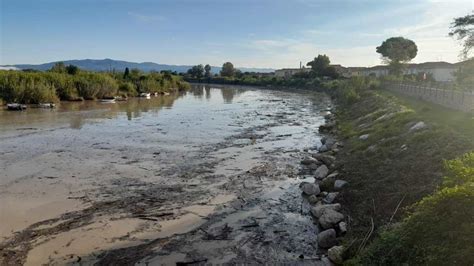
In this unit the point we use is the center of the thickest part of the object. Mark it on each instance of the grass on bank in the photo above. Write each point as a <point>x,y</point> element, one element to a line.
<point>36,87</point>
<point>438,230</point>
<point>461,122</point>
<point>396,178</point>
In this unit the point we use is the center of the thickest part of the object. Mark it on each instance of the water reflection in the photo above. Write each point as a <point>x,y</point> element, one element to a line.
<point>76,114</point>
<point>228,93</point>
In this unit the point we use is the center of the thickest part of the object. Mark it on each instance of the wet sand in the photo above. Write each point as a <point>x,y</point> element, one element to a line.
<point>207,176</point>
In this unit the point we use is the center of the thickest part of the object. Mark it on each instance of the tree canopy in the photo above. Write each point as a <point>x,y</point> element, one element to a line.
<point>396,51</point>
<point>319,63</point>
<point>321,67</point>
<point>228,69</point>
<point>126,73</point>
<point>196,71</point>
<point>72,69</point>
<point>463,29</point>
<point>207,69</point>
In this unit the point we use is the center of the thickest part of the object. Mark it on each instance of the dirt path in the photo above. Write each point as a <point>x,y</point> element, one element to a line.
<point>208,180</point>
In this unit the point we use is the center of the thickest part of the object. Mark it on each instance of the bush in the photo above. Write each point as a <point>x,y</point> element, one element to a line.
<point>93,85</point>
<point>25,87</point>
<point>127,88</point>
<point>36,87</point>
<point>439,230</point>
<point>460,170</point>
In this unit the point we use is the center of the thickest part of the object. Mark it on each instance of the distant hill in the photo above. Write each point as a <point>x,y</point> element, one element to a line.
<point>110,64</point>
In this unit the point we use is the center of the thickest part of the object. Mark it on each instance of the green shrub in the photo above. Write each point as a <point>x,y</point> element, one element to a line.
<point>25,87</point>
<point>128,88</point>
<point>439,229</point>
<point>460,170</point>
<point>35,87</point>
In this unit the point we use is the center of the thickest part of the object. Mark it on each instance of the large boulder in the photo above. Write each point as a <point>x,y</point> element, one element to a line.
<point>340,184</point>
<point>330,197</point>
<point>330,218</point>
<point>318,210</point>
<point>342,228</point>
<point>335,254</point>
<point>327,238</point>
<point>321,172</point>
<point>324,148</point>
<point>418,126</point>
<point>327,184</point>
<point>325,158</point>
<point>309,161</point>
<point>310,188</point>
<point>364,137</point>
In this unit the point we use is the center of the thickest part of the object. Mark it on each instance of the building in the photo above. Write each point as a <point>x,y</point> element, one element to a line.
<point>440,71</point>
<point>289,72</point>
<point>348,72</point>
<point>376,71</point>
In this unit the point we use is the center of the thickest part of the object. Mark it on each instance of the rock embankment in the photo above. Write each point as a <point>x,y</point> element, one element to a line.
<point>323,193</point>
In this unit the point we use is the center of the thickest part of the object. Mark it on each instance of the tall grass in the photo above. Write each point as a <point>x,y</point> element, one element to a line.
<point>438,231</point>
<point>36,87</point>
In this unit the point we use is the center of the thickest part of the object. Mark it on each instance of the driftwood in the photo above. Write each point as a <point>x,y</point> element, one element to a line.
<point>367,236</point>
<point>396,209</point>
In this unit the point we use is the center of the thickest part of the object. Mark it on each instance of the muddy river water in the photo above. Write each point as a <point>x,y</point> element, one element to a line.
<point>208,176</point>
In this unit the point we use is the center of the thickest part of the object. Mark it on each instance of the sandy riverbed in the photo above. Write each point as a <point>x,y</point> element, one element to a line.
<point>208,176</point>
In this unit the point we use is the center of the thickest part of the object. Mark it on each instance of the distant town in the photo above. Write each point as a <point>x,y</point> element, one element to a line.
<point>439,71</point>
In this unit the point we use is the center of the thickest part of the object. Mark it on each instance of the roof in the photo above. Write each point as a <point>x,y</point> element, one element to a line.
<point>465,62</point>
<point>440,64</point>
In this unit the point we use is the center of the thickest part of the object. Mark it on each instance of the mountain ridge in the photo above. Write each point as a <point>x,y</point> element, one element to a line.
<point>108,64</point>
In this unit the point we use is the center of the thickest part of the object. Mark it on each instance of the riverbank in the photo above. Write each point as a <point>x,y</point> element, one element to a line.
<point>394,160</point>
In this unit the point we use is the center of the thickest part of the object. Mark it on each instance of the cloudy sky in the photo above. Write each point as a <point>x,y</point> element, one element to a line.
<point>251,33</point>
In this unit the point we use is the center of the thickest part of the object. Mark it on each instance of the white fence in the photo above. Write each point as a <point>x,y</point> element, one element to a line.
<point>454,99</point>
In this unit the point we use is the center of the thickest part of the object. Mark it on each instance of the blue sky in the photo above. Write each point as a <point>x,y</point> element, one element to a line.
<point>251,33</point>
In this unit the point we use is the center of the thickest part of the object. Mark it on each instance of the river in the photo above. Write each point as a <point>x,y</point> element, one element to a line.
<point>210,175</point>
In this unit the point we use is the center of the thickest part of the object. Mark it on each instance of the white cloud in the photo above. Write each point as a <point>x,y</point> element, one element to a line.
<point>430,34</point>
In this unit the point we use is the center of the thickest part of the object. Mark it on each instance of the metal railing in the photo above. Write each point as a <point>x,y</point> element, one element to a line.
<point>455,99</point>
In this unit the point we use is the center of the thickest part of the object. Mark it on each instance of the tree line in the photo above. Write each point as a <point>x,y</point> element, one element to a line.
<point>199,71</point>
<point>70,83</point>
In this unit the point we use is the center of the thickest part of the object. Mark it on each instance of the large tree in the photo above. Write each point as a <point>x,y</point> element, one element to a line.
<point>319,64</point>
<point>196,71</point>
<point>397,51</point>
<point>126,73</point>
<point>228,69</point>
<point>463,29</point>
<point>207,69</point>
<point>321,67</point>
<point>72,69</point>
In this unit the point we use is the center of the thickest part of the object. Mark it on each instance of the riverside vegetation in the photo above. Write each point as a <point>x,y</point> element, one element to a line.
<point>70,83</point>
<point>411,176</point>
